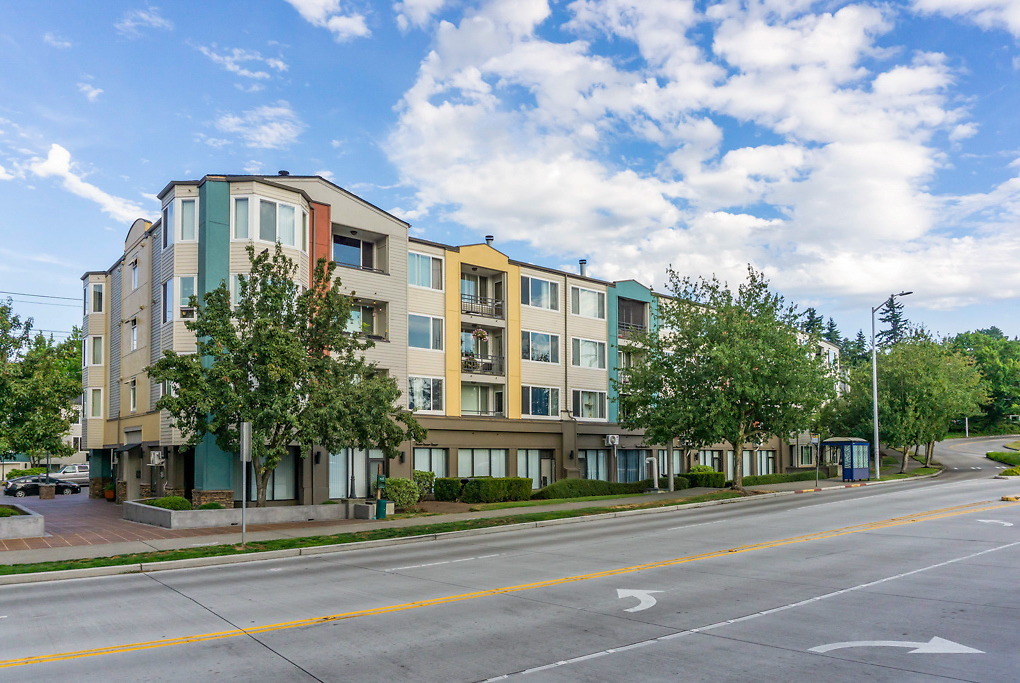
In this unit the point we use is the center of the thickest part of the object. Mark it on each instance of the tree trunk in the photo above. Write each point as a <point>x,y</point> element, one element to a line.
<point>906,456</point>
<point>738,465</point>
<point>929,454</point>
<point>261,483</point>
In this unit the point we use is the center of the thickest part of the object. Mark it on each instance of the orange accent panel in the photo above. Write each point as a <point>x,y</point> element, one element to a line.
<point>320,240</point>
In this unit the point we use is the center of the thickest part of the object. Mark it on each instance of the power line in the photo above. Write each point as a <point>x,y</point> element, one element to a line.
<point>43,303</point>
<point>41,296</point>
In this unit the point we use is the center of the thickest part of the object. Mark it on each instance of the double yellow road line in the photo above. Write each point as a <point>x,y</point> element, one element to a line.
<point>313,621</point>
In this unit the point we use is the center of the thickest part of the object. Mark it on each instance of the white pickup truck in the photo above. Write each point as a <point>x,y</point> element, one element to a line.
<point>79,474</point>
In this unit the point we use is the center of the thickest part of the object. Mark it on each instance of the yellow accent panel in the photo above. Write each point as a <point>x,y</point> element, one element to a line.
<point>452,404</point>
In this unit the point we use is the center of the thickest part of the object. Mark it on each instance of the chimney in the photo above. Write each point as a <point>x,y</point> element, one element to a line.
<point>283,173</point>
<point>488,240</point>
<point>583,264</point>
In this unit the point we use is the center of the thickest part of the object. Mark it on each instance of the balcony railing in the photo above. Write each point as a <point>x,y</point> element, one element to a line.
<point>481,305</point>
<point>481,413</point>
<point>628,328</point>
<point>482,365</point>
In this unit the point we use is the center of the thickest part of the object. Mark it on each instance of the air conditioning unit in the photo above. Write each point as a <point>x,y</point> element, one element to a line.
<point>157,458</point>
<point>612,439</point>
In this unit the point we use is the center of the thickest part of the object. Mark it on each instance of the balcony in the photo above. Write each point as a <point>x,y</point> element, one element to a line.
<point>481,365</point>
<point>627,329</point>
<point>481,305</point>
<point>481,413</point>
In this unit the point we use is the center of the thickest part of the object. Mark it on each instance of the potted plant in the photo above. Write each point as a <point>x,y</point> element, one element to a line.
<point>470,363</point>
<point>480,334</point>
<point>109,490</point>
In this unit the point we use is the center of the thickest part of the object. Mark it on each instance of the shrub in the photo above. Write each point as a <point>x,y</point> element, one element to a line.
<point>425,481</point>
<point>447,488</point>
<point>710,479</point>
<point>578,488</point>
<point>171,503</point>
<point>211,505</point>
<point>1011,472</point>
<point>1008,458</point>
<point>496,489</point>
<point>698,469</point>
<point>8,512</point>
<point>330,502</point>
<point>679,483</point>
<point>403,492</point>
<point>11,474</point>
<point>759,479</point>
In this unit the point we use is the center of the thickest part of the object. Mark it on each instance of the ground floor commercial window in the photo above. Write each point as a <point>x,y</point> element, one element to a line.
<point>282,483</point>
<point>537,465</point>
<point>481,462</point>
<point>630,464</point>
<point>594,464</point>
<point>807,453</point>
<point>746,462</point>
<point>663,458</point>
<point>766,462</point>
<point>363,463</point>
<point>431,460</point>
<point>712,458</point>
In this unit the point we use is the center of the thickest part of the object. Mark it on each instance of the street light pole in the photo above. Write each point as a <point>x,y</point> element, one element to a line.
<point>874,383</point>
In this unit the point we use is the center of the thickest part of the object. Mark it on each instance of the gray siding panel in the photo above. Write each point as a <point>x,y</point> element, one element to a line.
<point>115,349</point>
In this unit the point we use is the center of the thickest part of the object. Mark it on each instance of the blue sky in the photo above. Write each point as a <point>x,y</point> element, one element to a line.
<point>849,150</point>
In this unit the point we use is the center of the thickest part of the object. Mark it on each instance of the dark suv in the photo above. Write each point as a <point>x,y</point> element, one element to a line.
<point>29,486</point>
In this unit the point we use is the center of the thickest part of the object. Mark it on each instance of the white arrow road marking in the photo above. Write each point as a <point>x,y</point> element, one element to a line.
<point>645,597</point>
<point>975,468</point>
<point>996,521</point>
<point>934,646</point>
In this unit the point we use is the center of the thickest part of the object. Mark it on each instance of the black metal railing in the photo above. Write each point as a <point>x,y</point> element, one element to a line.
<point>482,365</point>
<point>627,328</point>
<point>481,305</point>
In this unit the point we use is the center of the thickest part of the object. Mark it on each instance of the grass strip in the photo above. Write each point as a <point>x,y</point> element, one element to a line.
<point>349,537</point>
<point>1015,445</point>
<point>919,472</point>
<point>1003,457</point>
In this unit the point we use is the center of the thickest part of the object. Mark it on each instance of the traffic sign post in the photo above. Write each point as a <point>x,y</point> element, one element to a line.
<point>245,434</point>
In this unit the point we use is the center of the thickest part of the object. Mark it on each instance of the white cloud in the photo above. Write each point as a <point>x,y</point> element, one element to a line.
<point>510,133</point>
<point>5,174</point>
<point>132,22</point>
<point>58,164</point>
<point>253,167</point>
<point>328,175</point>
<point>54,40</point>
<point>268,127</point>
<point>91,92</point>
<point>416,13</point>
<point>329,14</point>
<point>989,14</point>
<point>233,59</point>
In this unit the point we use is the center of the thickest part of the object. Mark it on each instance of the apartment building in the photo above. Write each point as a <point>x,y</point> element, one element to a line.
<point>512,367</point>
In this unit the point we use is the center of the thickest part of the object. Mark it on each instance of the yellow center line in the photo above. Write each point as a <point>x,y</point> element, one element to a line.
<point>233,633</point>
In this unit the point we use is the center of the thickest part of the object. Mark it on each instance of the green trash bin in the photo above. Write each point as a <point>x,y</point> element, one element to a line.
<point>380,508</point>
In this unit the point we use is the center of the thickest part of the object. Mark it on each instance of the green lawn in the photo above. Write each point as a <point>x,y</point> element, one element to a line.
<point>352,537</point>
<point>1015,445</point>
<point>553,501</point>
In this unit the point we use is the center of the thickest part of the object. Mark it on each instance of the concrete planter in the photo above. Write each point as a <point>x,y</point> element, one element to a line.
<point>367,510</point>
<point>135,511</point>
<point>26,525</point>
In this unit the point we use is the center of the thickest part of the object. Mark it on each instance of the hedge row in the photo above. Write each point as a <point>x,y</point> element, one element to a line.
<point>1008,458</point>
<point>483,489</point>
<point>11,474</point>
<point>712,480</point>
<point>759,479</point>
<point>578,488</point>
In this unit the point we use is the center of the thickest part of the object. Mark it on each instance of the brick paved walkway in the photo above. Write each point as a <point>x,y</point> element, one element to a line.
<point>77,520</point>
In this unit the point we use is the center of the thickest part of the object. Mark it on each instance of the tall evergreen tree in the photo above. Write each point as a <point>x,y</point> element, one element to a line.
<point>831,333</point>
<point>891,314</point>
<point>855,351</point>
<point>812,322</point>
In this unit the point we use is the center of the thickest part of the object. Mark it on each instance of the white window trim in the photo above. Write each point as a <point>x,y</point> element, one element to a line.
<point>102,351</point>
<point>605,302</point>
<point>605,354</point>
<point>605,403</point>
<point>178,307</point>
<point>132,334</point>
<point>163,302</point>
<point>416,411</point>
<point>559,285</point>
<point>559,346</point>
<point>301,219</point>
<point>442,260</point>
<point>422,348</point>
<point>134,275</point>
<point>90,304</point>
<point>132,384</point>
<point>556,413</point>
<point>179,220</point>
<point>100,415</point>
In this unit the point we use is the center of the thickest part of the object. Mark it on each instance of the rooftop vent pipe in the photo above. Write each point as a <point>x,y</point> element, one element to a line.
<point>488,240</point>
<point>283,173</point>
<point>583,265</point>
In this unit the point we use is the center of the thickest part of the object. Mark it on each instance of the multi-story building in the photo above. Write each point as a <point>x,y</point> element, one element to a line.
<point>512,367</point>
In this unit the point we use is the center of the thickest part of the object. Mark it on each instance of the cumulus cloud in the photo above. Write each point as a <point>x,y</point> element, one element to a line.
<point>272,126</point>
<point>5,174</point>
<point>54,40</point>
<point>90,92</point>
<point>132,23</point>
<point>826,187</point>
<point>233,60</point>
<point>330,15</point>
<point>58,164</point>
<point>416,13</point>
<point>989,14</point>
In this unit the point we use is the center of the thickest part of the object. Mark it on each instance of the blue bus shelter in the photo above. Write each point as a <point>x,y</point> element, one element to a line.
<point>853,456</point>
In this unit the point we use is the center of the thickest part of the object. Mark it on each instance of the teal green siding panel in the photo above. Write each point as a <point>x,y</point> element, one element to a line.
<point>626,289</point>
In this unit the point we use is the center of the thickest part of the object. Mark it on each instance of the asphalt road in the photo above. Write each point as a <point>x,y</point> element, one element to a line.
<point>850,584</point>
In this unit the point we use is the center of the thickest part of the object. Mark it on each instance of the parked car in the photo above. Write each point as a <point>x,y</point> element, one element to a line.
<point>29,486</point>
<point>79,474</point>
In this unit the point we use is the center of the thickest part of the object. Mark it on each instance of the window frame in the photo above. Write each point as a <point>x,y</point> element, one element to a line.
<point>133,334</point>
<point>601,359</point>
<point>95,391</point>
<point>432,394</point>
<point>254,225</point>
<point>362,250</point>
<point>576,401</point>
<point>133,395</point>
<point>91,354</point>
<point>431,257</point>
<point>134,275</point>
<point>554,406</point>
<point>90,297</point>
<point>167,301</point>
<point>432,332</point>
<point>555,299</point>
<point>184,311</point>
<point>179,228</point>
<point>600,298</point>
<point>443,454</point>
<point>552,348</point>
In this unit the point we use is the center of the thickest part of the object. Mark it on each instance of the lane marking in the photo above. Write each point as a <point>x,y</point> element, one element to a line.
<point>688,526</point>
<point>941,513</point>
<point>436,564</point>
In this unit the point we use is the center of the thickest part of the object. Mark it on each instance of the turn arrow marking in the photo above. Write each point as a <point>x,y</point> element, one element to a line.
<point>645,598</point>
<point>996,521</point>
<point>934,646</point>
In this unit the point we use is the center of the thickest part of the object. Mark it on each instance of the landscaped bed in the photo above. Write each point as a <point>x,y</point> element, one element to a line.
<point>20,522</point>
<point>182,518</point>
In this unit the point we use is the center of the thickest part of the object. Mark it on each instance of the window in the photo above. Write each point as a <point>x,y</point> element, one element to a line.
<point>76,443</point>
<point>168,224</point>
<point>95,403</point>
<point>541,347</point>
<point>350,251</point>
<point>94,297</point>
<point>430,460</point>
<point>806,455</point>
<point>589,405</point>
<point>630,464</point>
<point>540,293</point>
<point>189,220</point>
<point>425,393</point>
<point>766,462</point>
<point>663,458</point>
<point>95,350</point>
<point>588,302</point>
<point>361,320</point>
<point>594,464</point>
<point>632,315</point>
<point>588,354</point>
<point>424,332</point>
<point>235,289</point>
<point>481,462</point>
<point>712,458</point>
<point>241,218</point>
<point>133,395</point>
<point>168,301</point>
<point>134,275</point>
<point>134,334</point>
<point>544,401</point>
<point>424,271</point>
<point>186,285</point>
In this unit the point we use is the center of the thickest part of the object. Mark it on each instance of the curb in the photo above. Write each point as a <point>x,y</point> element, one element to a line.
<point>873,483</point>
<point>146,567</point>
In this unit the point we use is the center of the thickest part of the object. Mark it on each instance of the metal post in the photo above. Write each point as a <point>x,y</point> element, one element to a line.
<point>670,468</point>
<point>966,427</point>
<point>874,394</point>
<point>245,459</point>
